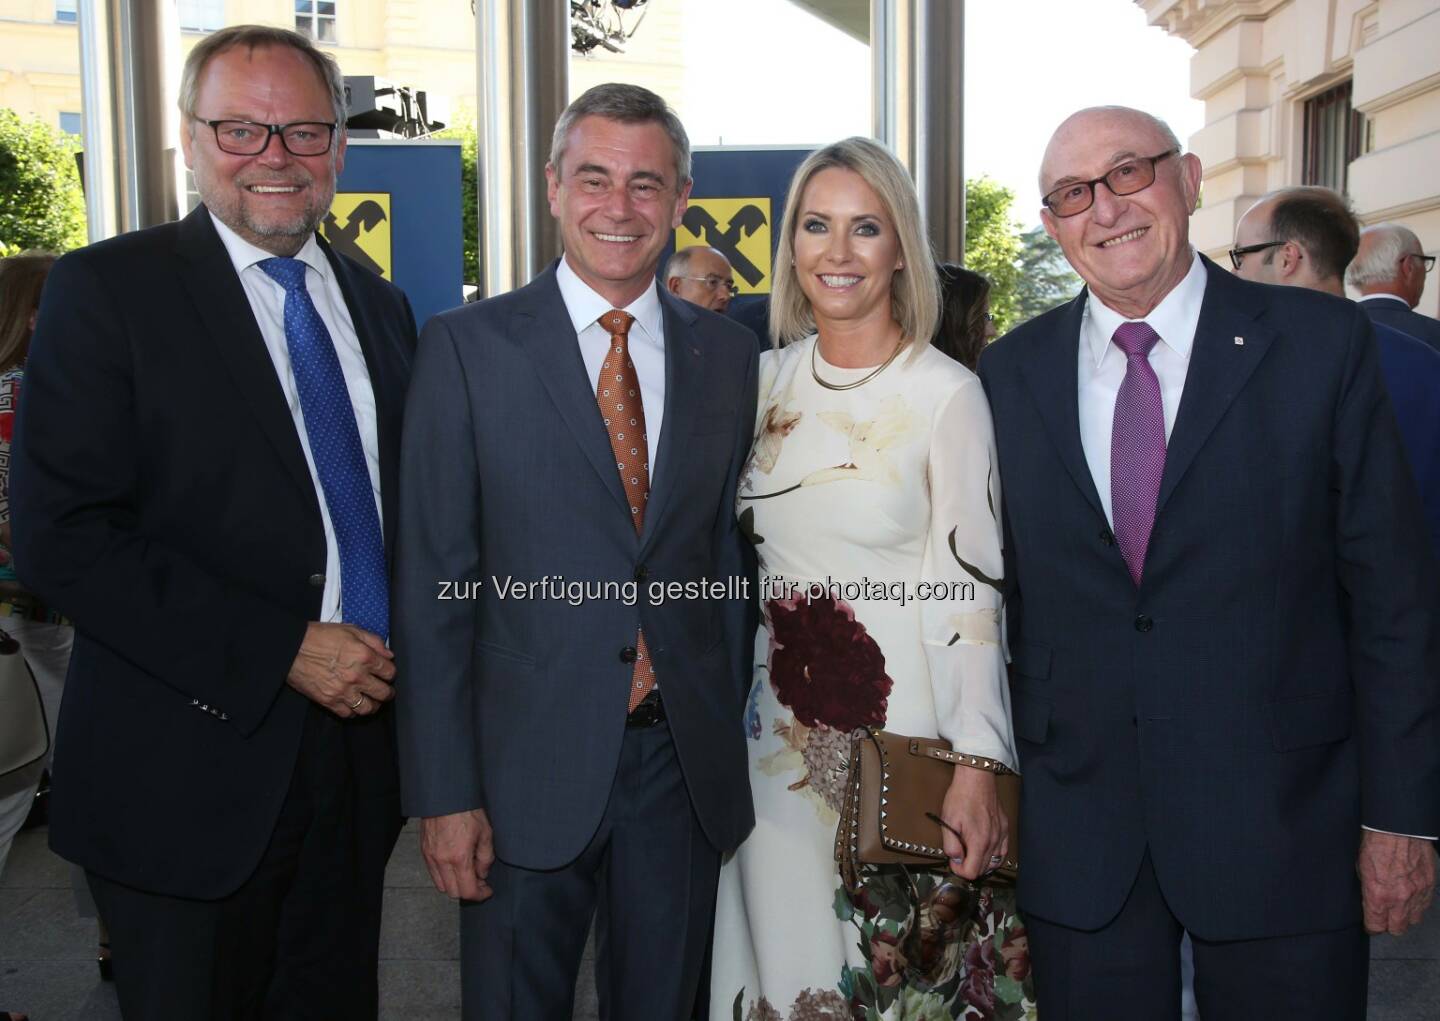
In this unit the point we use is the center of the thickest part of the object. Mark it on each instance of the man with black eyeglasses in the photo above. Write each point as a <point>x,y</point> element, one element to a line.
<point>204,480</point>
<point>702,276</point>
<point>1222,613</point>
<point>1389,271</point>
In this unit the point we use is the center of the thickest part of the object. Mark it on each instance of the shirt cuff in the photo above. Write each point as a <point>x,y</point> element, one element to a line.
<point>1412,836</point>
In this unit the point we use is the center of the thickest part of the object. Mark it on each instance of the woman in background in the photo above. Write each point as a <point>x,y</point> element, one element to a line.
<point>873,465</point>
<point>966,324</point>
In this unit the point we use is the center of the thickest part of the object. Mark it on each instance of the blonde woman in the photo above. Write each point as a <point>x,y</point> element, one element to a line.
<point>872,501</point>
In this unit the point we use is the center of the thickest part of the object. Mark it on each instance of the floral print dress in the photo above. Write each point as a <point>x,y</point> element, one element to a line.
<point>874,512</point>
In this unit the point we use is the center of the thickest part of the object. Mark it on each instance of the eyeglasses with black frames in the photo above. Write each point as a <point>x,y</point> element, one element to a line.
<point>1237,255</point>
<point>1428,261</point>
<point>247,138</point>
<point>1129,177</point>
<point>716,283</point>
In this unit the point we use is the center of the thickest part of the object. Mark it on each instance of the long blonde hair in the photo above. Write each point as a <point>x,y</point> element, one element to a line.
<point>914,290</point>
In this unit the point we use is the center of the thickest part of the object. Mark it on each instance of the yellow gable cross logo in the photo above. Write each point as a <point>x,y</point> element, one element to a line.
<point>358,225</point>
<point>739,229</point>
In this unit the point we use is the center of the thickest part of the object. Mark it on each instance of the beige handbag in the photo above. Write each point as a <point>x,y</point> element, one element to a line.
<point>24,738</point>
<point>890,815</point>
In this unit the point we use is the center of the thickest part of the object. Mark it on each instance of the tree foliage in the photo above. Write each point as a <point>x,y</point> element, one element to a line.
<point>992,245</point>
<point>469,195</point>
<point>41,204</point>
<point>1046,279</point>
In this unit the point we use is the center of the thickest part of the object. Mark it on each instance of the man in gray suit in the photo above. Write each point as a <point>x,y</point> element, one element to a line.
<point>1389,271</point>
<point>571,624</point>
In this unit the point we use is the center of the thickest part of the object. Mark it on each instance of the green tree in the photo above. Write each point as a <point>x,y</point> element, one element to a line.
<point>41,204</point>
<point>992,246</point>
<point>465,132</point>
<point>1046,279</point>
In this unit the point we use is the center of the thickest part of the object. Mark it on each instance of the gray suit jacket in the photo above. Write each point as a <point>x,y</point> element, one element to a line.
<point>517,704</point>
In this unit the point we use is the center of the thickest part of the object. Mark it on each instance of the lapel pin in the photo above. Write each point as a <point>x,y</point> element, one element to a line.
<point>1239,341</point>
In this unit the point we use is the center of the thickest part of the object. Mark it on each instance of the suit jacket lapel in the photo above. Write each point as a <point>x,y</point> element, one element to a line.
<point>1054,380</point>
<point>219,298</point>
<point>684,363</point>
<point>1229,344</point>
<point>543,327</point>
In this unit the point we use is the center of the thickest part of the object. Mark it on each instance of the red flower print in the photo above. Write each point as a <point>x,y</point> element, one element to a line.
<point>825,667</point>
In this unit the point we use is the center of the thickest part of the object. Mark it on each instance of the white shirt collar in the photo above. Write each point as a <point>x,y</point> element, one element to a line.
<point>244,255</point>
<point>1174,319</point>
<point>1383,296</point>
<point>586,306</point>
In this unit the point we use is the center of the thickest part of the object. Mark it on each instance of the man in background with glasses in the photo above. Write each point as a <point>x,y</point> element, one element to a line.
<point>1389,271</point>
<point>204,480</point>
<point>702,276</point>
<point>1222,616</point>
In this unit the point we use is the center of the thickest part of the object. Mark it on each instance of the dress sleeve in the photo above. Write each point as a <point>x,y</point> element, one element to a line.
<point>963,569</point>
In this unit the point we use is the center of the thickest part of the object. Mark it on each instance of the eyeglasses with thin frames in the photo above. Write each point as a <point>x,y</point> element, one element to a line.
<point>1129,177</point>
<point>715,283</point>
<point>1428,261</point>
<point>247,138</point>
<point>1237,255</point>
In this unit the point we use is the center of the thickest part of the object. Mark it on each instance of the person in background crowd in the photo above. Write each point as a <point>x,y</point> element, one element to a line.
<point>966,324</point>
<point>872,459</point>
<point>573,750</point>
<point>1389,271</point>
<point>1305,237</point>
<point>701,276</point>
<point>204,475</point>
<point>1223,619</point>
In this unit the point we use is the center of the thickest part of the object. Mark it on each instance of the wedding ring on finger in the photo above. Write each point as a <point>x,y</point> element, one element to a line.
<point>995,859</point>
<point>358,702</point>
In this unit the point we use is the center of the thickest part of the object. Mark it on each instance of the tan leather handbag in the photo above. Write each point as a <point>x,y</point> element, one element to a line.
<point>891,811</point>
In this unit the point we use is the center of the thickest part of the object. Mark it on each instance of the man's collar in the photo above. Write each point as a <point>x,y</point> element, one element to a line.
<point>1383,296</point>
<point>584,305</point>
<point>244,255</point>
<point>1173,319</point>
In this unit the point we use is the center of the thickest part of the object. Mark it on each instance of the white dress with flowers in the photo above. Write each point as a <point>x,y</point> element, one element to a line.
<point>874,512</point>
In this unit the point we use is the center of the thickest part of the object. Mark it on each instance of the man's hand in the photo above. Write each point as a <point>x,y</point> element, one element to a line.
<point>459,850</point>
<point>972,808</point>
<point>1397,880</point>
<point>343,668</point>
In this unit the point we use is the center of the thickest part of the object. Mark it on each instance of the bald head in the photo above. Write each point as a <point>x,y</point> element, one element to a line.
<point>1137,123</point>
<point>1309,235</point>
<point>1383,265</point>
<point>702,276</point>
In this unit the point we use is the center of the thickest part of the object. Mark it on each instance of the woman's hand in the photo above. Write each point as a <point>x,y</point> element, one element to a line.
<point>972,809</point>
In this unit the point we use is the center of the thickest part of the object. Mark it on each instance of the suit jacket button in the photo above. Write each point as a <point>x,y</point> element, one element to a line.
<point>1107,537</point>
<point>1143,623</point>
<point>628,654</point>
<point>642,572</point>
<point>317,580</point>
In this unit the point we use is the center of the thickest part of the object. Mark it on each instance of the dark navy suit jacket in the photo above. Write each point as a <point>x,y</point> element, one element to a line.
<point>1412,378</point>
<point>1397,315</point>
<point>1272,684</point>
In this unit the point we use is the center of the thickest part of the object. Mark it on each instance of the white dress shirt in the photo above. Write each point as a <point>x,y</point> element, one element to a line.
<point>1383,296</point>
<point>1102,367</point>
<point>647,345</point>
<point>267,302</point>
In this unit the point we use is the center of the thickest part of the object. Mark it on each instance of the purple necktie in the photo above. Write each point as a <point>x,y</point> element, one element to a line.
<point>1137,446</point>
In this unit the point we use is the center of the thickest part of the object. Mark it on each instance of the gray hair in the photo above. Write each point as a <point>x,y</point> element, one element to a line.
<point>628,104</point>
<point>260,37</point>
<point>1379,261</point>
<point>914,290</point>
<point>679,263</point>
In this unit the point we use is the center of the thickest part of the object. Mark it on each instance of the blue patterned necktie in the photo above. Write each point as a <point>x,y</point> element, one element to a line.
<point>339,458</point>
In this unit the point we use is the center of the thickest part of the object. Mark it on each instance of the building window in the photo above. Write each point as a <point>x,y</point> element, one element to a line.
<point>202,15</point>
<point>70,123</point>
<point>316,18</point>
<point>65,11</point>
<point>1334,135</point>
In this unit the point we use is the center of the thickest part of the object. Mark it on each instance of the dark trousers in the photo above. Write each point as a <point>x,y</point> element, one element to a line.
<point>650,874</point>
<point>1130,969</point>
<point>299,939</point>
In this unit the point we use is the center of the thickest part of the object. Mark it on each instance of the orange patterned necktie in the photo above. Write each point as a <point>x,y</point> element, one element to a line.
<point>618,393</point>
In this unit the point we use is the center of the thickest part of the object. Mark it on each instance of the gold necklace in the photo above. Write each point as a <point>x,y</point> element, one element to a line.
<point>814,371</point>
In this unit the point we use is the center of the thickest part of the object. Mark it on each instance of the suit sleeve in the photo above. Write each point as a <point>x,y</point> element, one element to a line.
<point>735,557</point>
<point>79,534</point>
<point>439,540</point>
<point>1388,572</point>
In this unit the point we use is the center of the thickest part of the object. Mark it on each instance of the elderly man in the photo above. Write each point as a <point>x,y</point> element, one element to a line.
<point>702,276</point>
<point>204,477</point>
<point>1305,237</point>
<point>1222,611</point>
<point>1389,272</point>
<point>571,729</point>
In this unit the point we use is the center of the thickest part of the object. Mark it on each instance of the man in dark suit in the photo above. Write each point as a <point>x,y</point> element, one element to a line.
<point>1222,614</point>
<point>1305,237</point>
<point>206,452</point>
<point>570,721</point>
<point>1389,272</point>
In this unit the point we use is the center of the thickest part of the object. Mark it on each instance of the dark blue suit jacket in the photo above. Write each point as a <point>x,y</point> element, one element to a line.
<point>1412,378</point>
<point>1399,316</point>
<point>1272,684</point>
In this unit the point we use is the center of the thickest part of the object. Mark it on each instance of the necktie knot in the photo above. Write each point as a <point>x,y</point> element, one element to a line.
<point>288,273</point>
<point>1135,338</point>
<point>617,323</point>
